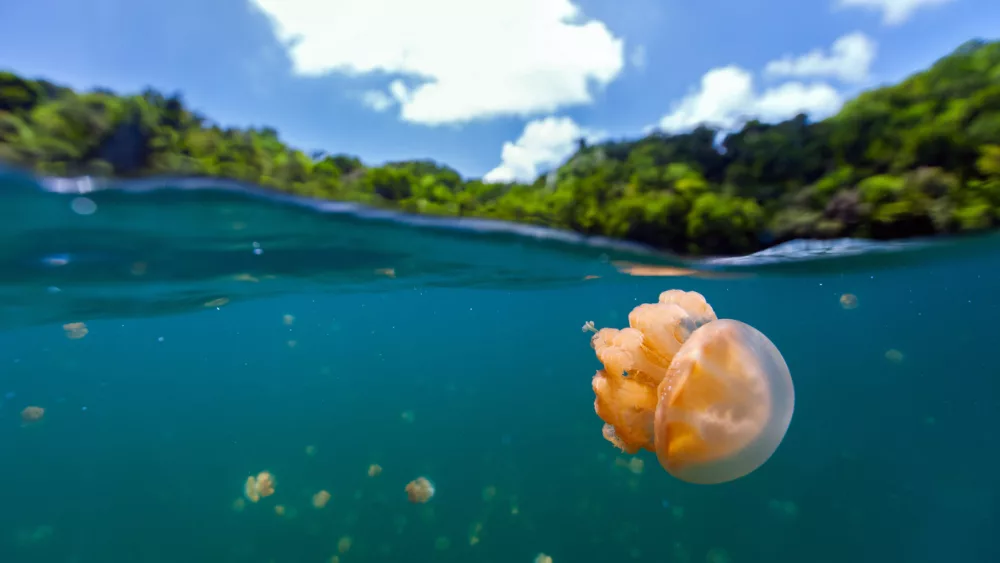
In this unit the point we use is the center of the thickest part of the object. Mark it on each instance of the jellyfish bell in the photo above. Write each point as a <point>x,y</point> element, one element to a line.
<point>724,405</point>
<point>713,398</point>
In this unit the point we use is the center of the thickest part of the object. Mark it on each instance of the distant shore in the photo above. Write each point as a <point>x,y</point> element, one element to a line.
<point>918,158</point>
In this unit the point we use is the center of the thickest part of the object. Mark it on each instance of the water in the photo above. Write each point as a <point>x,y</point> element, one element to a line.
<point>454,351</point>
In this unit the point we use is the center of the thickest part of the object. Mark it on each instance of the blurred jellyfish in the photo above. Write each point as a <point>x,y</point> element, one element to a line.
<point>288,319</point>
<point>279,509</point>
<point>260,486</point>
<point>849,301</point>
<point>374,470</point>
<point>344,544</point>
<point>407,416</point>
<point>320,499</point>
<point>489,493</point>
<point>75,331</point>
<point>711,397</point>
<point>310,450</point>
<point>216,303</point>
<point>31,415</point>
<point>542,558</point>
<point>894,356</point>
<point>420,490</point>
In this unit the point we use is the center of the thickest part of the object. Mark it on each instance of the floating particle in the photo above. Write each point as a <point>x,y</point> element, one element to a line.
<point>320,499</point>
<point>139,268</point>
<point>374,470</point>
<point>60,260</point>
<point>288,319</point>
<point>293,343</point>
<point>894,356</point>
<point>83,206</point>
<point>591,277</point>
<point>245,278</point>
<point>387,272</point>
<point>408,416</point>
<point>419,490</point>
<point>310,450</point>
<point>849,301</point>
<point>217,302</point>
<point>75,331</point>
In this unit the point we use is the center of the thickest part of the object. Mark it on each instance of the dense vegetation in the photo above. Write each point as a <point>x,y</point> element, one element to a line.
<point>917,158</point>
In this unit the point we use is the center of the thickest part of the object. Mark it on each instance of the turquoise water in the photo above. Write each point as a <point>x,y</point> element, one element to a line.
<point>454,351</point>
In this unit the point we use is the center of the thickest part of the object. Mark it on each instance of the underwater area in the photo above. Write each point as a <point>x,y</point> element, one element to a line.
<point>178,338</point>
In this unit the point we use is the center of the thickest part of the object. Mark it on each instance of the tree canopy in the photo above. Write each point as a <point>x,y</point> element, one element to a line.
<point>917,158</point>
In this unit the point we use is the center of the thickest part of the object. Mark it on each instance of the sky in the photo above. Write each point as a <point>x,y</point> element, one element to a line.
<point>499,89</point>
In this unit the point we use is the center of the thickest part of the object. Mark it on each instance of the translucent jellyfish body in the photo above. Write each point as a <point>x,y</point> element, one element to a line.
<point>712,397</point>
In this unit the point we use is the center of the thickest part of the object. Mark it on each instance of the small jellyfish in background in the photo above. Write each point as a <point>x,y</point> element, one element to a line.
<point>260,486</point>
<point>542,558</point>
<point>894,356</point>
<point>849,301</point>
<point>419,490</point>
<point>75,331</point>
<point>279,510</point>
<point>320,499</point>
<point>310,451</point>
<point>344,544</point>
<point>288,320</point>
<point>374,470</point>
<point>31,415</point>
<point>711,397</point>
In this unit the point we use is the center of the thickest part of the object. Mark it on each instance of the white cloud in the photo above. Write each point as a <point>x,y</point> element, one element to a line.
<point>894,12</point>
<point>727,97</point>
<point>462,59</point>
<point>377,100</point>
<point>849,60</point>
<point>544,142</point>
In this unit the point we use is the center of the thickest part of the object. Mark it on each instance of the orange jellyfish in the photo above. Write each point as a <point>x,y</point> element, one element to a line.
<point>320,499</point>
<point>711,397</point>
<point>260,486</point>
<point>419,490</point>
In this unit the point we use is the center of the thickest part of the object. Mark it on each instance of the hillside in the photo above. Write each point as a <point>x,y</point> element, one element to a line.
<point>917,158</point>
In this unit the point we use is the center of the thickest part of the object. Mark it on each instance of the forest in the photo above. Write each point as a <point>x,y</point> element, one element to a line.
<point>917,158</point>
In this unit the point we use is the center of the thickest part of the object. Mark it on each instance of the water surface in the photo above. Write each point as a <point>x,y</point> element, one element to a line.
<point>453,350</point>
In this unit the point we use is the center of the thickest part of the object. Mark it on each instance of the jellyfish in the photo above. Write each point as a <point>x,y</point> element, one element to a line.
<point>711,397</point>
<point>260,486</point>
<point>75,331</point>
<point>32,414</point>
<point>320,499</point>
<point>374,470</point>
<point>419,490</point>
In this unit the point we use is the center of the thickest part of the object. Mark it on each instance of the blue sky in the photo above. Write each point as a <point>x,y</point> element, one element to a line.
<point>490,87</point>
